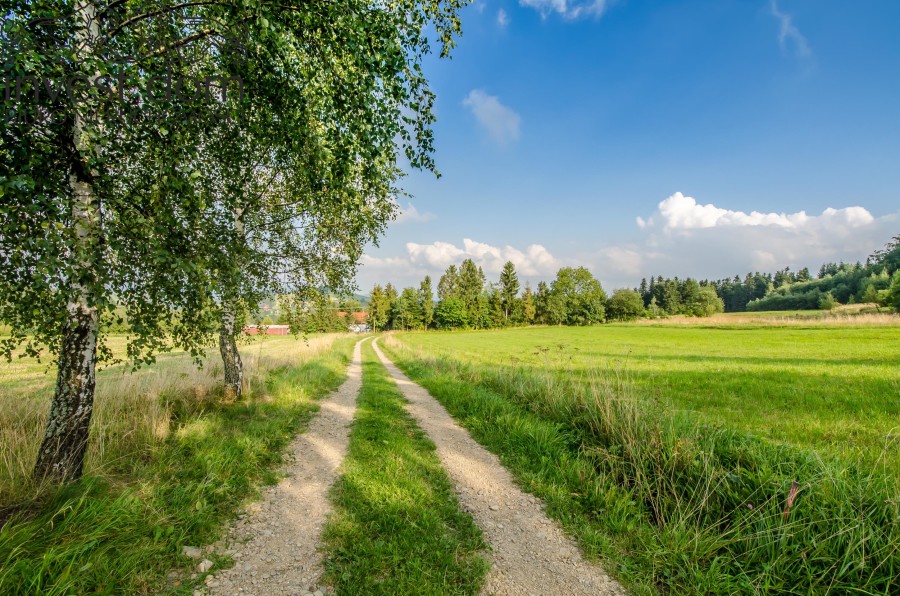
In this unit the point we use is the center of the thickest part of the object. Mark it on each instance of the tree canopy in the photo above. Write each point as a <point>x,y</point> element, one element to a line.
<point>168,159</point>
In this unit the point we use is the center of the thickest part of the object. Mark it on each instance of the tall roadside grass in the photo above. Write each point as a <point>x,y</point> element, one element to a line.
<point>170,463</point>
<point>133,411</point>
<point>674,506</point>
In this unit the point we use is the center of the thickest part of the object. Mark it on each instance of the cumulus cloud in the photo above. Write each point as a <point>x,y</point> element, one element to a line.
<point>437,254</point>
<point>568,9</point>
<point>789,37</point>
<point>502,18</point>
<point>410,214</point>
<point>615,260</point>
<point>679,212</point>
<point>434,258</point>
<point>534,260</point>
<point>499,121</point>
<point>687,238</point>
<point>683,237</point>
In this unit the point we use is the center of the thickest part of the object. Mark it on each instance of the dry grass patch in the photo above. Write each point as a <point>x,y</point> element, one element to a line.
<point>133,410</point>
<point>851,315</point>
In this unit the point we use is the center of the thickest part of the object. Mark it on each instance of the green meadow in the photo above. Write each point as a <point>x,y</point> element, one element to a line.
<point>833,389</point>
<point>705,457</point>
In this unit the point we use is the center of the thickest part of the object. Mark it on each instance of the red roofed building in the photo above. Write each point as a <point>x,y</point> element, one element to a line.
<point>356,317</point>
<point>356,320</point>
<point>270,329</point>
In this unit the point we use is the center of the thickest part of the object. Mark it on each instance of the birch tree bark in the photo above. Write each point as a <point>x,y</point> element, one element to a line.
<point>231,357</point>
<point>62,451</point>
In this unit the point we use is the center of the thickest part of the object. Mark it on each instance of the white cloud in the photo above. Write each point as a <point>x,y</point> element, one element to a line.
<point>763,260</point>
<point>789,37</point>
<point>438,254</point>
<point>534,260</point>
<point>620,260</point>
<point>410,214</point>
<point>570,10</point>
<point>690,239</point>
<point>389,263</point>
<point>502,18</point>
<point>685,213</point>
<point>500,122</point>
<point>683,238</point>
<point>433,259</point>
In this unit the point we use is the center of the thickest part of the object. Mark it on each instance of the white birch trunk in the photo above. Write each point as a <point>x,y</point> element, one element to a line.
<point>231,358</point>
<point>63,448</point>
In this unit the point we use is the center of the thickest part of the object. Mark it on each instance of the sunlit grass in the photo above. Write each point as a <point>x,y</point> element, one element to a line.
<point>397,527</point>
<point>132,409</point>
<point>670,452</point>
<point>832,388</point>
<point>170,463</point>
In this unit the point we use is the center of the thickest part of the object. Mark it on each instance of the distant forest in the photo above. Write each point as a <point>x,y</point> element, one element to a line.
<point>834,284</point>
<point>465,298</point>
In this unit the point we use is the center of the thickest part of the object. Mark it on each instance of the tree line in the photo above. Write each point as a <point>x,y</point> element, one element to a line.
<point>874,282</point>
<point>465,298</point>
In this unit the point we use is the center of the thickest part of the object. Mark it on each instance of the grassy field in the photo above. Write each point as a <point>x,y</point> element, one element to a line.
<point>397,527</point>
<point>854,315</point>
<point>170,463</point>
<point>834,389</point>
<point>132,410</point>
<point>672,451</point>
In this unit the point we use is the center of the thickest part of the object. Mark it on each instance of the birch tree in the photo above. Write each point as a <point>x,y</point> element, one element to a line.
<point>76,241</point>
<point>101,204</point>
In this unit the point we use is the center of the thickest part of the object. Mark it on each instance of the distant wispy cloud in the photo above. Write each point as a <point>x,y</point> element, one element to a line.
<point>789,37</point>
<point>499,121</point>
<point>410,214</point>
<point>569,10</point>
<point>502,18</point>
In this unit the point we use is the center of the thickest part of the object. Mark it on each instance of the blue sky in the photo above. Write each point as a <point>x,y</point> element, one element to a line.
<point>637,138</point>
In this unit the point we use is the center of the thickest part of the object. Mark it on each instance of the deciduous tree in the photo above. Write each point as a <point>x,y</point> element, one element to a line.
<point>451,314</point>
<point>581,295</point>
<point>100,207</point>
<point>625,305</point>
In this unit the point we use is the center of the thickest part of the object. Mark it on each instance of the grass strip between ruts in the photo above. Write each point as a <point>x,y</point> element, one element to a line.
<point>397,527</point>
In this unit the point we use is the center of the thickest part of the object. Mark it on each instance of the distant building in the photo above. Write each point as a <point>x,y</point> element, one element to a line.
<point>270,329</point>
<point>357,321</point>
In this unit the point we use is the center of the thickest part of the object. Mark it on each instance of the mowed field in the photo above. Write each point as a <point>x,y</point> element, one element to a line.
<point>830,388</point>
<point>734,455</point>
